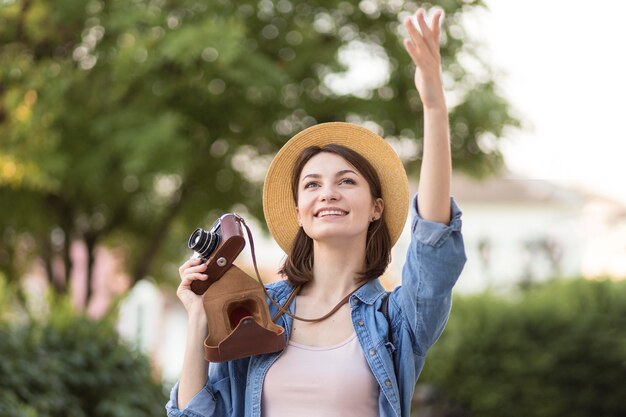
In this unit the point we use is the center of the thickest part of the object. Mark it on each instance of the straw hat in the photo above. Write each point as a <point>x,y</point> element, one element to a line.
<point>278,205</point>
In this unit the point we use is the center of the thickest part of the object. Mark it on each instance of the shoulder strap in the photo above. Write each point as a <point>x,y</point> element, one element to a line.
<point>385,310</point>
<point>385,306</point>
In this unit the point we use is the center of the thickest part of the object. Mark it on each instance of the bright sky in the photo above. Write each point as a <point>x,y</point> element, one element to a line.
<point>564,65</point>
<point>563,68</point>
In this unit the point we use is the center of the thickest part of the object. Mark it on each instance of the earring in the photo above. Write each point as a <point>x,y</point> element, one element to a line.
<point>373,220</point>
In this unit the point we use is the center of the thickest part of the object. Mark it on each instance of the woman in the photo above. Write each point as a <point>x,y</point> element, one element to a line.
<point>336,199</point>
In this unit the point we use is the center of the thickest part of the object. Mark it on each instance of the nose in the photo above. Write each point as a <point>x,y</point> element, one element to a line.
<point>329,193</point>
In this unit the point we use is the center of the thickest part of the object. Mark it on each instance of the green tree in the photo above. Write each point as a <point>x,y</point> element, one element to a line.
<point>128,123</point>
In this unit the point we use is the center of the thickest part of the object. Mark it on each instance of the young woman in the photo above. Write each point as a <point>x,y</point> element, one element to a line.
<point>336,200</point>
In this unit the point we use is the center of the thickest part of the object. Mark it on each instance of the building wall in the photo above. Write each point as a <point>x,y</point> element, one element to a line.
<point>511,244</point>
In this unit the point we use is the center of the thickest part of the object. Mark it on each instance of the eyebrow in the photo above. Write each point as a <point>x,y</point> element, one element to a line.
<point>338,174</point>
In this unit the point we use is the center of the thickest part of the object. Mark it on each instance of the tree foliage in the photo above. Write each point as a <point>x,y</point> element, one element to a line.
<point>558,349</point>
<point>68,365</point>
<point>128,123</point>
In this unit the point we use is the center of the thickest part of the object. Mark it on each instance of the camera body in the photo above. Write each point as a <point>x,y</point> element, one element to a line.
<point>217,247</point>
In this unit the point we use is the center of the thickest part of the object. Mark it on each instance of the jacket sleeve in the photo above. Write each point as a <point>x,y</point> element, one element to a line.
<point>212,401</point>
<point>434,261</point>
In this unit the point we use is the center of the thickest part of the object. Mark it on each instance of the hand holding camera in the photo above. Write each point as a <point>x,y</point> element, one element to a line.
<point>214,251</point>
<point>190,271</point>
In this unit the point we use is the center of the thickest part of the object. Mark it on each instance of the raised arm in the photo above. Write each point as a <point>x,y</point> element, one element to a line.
<point>434,183</point>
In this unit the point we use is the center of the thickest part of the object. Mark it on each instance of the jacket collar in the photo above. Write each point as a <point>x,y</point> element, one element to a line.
<point>369,292</point>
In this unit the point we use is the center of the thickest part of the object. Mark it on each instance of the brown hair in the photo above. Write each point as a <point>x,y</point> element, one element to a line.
<point>298,267</point>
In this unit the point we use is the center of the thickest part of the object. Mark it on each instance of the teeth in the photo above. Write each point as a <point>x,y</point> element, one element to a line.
<point>331,212</point>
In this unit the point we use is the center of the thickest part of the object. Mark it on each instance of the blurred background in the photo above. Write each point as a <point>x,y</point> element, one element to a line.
<point>124,125</point>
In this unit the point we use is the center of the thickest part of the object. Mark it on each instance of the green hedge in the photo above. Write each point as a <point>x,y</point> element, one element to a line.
<point>558,349</point>
<point>70,366</point>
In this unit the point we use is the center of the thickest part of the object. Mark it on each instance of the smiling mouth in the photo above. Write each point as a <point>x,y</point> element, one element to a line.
<point>331,213</point>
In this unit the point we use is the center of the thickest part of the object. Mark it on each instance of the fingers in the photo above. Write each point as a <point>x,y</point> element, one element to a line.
<point>410,48</point>
<point>192,270</point>
<point>424,42</point>
<point>436,25</point>
<point>415,45</point>
<point>192,265</point>
<point>427,34</point>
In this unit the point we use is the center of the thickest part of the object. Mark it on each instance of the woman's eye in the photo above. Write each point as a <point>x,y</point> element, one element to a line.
<point>347,181</point>
<point>309,184</point>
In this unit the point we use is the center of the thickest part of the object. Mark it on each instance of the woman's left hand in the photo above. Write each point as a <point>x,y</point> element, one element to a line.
<point>423,47</point>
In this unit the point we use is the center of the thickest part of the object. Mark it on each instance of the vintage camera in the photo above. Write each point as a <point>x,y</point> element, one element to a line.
<point>203,242</point>
<point>234,303</point>
<point>218,248</point>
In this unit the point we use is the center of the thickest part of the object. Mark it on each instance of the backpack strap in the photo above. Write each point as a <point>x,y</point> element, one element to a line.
<point>385,310</point>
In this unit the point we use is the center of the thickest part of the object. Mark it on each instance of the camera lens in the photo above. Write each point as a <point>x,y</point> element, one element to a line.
<point>203,242</point>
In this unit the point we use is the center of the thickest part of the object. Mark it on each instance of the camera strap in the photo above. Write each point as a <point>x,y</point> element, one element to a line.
<point>284,308</point>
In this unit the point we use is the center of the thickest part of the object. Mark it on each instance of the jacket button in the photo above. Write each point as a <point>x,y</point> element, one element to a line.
<point>372,352</point>
<point>388,383</point>
<point>361,323</point>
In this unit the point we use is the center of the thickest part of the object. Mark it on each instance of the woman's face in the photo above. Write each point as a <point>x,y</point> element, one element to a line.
<point>334,200</point>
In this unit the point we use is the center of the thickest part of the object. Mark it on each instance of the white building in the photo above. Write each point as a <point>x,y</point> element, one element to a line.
<point>518,231</point>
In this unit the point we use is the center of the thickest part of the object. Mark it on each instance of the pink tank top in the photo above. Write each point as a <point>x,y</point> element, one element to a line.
<point>320,381</point>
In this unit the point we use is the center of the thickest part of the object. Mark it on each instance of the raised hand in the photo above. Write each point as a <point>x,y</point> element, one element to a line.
<point>423,47</point>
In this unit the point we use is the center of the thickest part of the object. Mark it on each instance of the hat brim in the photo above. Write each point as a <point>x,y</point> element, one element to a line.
<point>278,205</point>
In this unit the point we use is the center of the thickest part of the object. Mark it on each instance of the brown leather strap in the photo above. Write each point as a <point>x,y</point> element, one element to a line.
<point>330,313</point>
<point>283,309</point>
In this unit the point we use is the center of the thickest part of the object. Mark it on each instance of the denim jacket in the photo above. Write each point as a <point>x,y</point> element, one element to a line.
<point>418,311</point>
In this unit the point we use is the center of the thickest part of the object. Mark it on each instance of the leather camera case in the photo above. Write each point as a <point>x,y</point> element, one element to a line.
<point>238,319</point>
<point>239,323</point>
